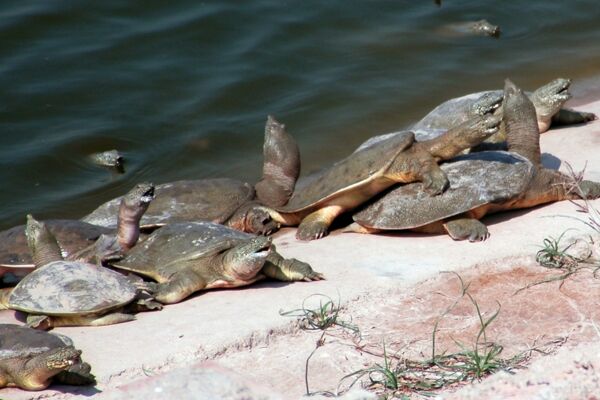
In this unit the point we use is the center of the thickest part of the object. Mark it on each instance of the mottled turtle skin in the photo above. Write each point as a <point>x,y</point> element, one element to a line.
<point>222,200</point>
<point>475,179</point>
<point>319,198</point>
<point>32,359</point>
<point>77,238</point>
<point>187,257</point>
<point>544,186</point>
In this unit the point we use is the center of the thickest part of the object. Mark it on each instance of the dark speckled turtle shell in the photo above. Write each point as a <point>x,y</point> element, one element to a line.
<point>178,242</point>
<point>475,179</point>
<point>73,235</point>
<point>17,340</point>
<point>189,200</point>
<point>350,174</point>
<point>71,288</point>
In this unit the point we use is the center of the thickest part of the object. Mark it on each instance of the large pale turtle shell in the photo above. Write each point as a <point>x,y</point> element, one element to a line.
<point>71,288</point>
<point>475,179</point>
<point>188,200</point>
<point>21,341</point>
<point>178,242</point>
<point>347,175</point>
<point>72,235</point>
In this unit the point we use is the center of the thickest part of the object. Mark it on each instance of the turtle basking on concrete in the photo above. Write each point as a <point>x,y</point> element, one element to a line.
<point>187,257</point>
<point>70,293</point>
<point>319,198</point>
<point>225,201</point>
<point>78,239</point>
<point>483,185</point>
<point>548,101</point>
<point>32,359</point>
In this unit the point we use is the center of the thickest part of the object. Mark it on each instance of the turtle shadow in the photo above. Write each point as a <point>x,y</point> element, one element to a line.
<point>86,391</point>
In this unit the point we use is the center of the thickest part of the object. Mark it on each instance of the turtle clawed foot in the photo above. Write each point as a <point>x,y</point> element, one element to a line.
<point>40,322</point>
<point>312,231</point>
<point>300,271</point>
<point>588,116</point>
<point>436,184</point>
<point>466,228</point>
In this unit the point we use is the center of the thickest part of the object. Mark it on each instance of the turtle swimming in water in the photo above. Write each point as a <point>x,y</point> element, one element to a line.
<point>319,198</point>
<point>32,359</point>
<point>70,293</point>
<point>226,201</point>
<point>78,239</point>
<point>191,256</point>
<point>484,184</point>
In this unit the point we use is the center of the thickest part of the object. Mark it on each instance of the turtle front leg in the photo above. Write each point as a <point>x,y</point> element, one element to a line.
<point>289,269</point>
<point>567,116</point>
<point>467,228</point>
<point>316,224</point>
<point>179,286</point>
<point>4,295</point>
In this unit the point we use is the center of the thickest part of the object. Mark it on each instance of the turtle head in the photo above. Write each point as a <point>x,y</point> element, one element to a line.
<point>549,99</point>
<point>42,244</point>
<point>133,206</point>
<point>244,261</point>
<point>62,358</point>
<point>485,28</point>
<point>253,218</point>
<point>488,103</point>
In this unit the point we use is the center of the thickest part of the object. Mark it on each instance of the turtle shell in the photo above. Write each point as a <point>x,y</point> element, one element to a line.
<point>179,242</point>
<point>347,175</point>
<point>475,179</point>
<point>17,340</point>
<point>188,200</point>
<point>73,235</point>
<point>71,288</point>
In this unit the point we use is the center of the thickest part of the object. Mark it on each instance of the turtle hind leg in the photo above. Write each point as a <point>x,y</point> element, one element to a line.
<point>566,116</point>
<point>355,227</point>
<point>181,285</point>
<point>467,228</point>
<point>289,269</point>
<point>316,225</point>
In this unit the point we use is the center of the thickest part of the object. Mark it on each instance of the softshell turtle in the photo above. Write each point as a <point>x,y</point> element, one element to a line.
<point>476,179</point>
<point>187,257</point>
<point>68,293</point>
<point>110,159</point>
<point>319,198</point>
<point>548,101</point>
<point>538,185</point>
<point>222,200</point>
<point>32,359</point>
<point>481,27</point>
<point>78,239</point>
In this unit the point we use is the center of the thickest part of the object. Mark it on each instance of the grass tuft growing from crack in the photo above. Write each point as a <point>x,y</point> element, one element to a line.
<point>472,362</point>
<point>322,318</point>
